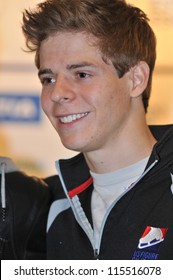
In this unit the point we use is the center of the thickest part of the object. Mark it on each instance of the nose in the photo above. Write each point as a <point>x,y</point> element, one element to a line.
<point>62,90</point>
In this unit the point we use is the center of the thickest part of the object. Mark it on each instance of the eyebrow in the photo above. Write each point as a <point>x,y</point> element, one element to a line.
<point>69,67</point>
<point>79,65</point>
<point>44,71</point>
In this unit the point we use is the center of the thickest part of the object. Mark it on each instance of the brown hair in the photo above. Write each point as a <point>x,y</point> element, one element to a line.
<point>123,32</point>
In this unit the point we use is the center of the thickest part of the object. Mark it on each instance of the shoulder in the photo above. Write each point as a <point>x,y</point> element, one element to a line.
<point>21,186</point>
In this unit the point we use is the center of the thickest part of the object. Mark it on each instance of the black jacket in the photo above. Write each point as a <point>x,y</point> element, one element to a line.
<point>138,225</point>
<point>23,219</point>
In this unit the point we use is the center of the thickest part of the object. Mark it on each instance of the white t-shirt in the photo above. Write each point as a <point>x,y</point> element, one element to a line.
<point>109,186</point>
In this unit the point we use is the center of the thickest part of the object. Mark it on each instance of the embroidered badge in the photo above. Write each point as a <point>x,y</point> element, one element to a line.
<point>150,243</point>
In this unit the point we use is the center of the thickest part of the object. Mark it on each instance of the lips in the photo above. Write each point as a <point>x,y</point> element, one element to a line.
<point>72,118</point>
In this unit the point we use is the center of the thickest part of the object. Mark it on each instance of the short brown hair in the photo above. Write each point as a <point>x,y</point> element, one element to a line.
<point>123,32</point>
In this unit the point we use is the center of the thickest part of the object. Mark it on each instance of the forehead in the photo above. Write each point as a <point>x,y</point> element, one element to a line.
<point>69,44</point>
<point>68,48</point>
<point>73,39</point>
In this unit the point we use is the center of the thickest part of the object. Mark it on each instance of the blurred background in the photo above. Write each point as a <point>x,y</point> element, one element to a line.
<point>25,133</point>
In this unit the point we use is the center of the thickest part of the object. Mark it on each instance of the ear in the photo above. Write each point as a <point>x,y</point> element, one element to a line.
<point>139,75</point>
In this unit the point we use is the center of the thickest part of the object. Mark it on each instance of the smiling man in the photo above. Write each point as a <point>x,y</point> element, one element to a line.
<point>95,60</point>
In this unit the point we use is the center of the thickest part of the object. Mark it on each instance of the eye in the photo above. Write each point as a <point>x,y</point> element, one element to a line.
<point>47,80</point>
<point>83,75</point>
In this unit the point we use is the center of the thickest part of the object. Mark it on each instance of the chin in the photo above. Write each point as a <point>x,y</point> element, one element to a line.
<point>72,147</point>
<point>76,144</point>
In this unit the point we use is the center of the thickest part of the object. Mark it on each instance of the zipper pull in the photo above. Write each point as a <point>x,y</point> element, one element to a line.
<point>96,254</point>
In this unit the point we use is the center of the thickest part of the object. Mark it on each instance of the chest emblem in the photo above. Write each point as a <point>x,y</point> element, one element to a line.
<point>151,237</point>
<point>150,243</point>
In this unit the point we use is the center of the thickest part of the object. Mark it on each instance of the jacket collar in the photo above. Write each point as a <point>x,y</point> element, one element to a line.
<point>163,149</point>
<point>75,171</point>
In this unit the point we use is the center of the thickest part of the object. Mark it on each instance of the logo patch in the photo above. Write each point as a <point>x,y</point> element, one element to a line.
<point>150,243</point>
<point>151,237</point>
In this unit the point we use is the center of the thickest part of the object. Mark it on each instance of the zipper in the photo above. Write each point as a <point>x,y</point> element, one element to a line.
<point>86,227</point>
<point>3,196</point>
<point>96,246</point>
<point>3,239</point>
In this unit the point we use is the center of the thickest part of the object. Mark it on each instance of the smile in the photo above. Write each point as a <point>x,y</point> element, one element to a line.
<point>72,118</point>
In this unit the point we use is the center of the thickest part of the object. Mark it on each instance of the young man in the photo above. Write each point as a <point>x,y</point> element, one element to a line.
<point>25,203</point>
<point>114,199</point>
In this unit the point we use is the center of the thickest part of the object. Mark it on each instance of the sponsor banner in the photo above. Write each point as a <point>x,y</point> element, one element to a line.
<point>23,107</point>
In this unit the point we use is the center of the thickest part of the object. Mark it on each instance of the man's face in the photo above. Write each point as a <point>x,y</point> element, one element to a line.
<point>82,96</point>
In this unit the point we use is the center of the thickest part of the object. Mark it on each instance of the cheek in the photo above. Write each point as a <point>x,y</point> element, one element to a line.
<point>44,103</point>
<point>116,104</point>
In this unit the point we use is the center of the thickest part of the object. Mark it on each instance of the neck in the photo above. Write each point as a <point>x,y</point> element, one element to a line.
<point>131,145</point>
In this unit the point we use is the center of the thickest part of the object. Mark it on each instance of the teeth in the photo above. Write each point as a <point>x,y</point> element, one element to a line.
<point>72,118</point>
